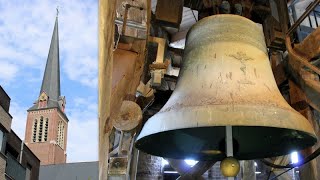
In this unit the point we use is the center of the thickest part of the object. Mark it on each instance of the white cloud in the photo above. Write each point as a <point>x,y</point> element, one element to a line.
<point>82,131</point>
<point>19,119</point>
<point>82,140</point>
<point>7,71</point>
<point>83,67</point>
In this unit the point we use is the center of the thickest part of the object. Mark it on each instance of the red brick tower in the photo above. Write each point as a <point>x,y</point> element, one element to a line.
<point>47,124</point>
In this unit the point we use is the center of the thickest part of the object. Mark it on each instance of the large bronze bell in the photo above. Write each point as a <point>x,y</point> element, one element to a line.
<point>225,80</point>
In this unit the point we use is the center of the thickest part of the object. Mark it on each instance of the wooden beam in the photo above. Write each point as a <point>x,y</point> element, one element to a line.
<point>278,67</point>
<point>119,70</point>
<point>106,35</point>
<point>169,13</point>
<point>309,170</point>
<point>310,46</point>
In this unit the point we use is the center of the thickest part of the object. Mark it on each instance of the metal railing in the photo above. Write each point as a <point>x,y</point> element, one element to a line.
<point>310,9</point>
<point>292,29</point>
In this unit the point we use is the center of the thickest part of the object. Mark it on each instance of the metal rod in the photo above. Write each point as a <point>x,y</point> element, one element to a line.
<point>120,143</point>
<point>315,18</point>
<point>274,177</point>
<point>194,15</point>
<point>229,144</point>
<point>310,21</point>
<point>303,16</point>
<point>21,152</point>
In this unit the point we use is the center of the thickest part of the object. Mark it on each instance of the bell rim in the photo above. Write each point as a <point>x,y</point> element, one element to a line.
<point>221,155</point>
<point>188,114</point>
<point>185,114</point>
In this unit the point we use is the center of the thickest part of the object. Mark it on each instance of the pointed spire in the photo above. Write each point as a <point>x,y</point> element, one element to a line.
<point>50,96</point>
<point>57,11</point>
<point>51,79</point>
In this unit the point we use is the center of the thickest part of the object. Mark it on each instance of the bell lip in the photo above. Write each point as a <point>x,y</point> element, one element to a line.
<point>216,115</point>
<point>222,155</point>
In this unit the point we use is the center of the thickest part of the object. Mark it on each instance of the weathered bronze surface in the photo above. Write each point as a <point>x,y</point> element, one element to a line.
<point>225,80</point>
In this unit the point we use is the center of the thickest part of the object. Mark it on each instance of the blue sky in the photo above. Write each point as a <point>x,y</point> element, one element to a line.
<point>25,33</point>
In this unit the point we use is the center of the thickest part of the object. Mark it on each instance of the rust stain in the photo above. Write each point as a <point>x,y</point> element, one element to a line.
<point>255,72</point>
<point>215,55</point>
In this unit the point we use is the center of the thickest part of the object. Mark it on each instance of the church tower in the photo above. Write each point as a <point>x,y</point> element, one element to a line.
<point>47,123</point>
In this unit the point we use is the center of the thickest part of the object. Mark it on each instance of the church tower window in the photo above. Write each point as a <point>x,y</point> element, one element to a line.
<point>35,126</point>
<point>46,130</point>
<point>60,134</point>
<point>40,129</point>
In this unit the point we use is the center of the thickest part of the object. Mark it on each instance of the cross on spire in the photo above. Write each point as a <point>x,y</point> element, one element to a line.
<point>57,11</point>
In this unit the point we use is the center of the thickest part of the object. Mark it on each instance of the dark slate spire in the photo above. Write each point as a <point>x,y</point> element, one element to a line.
<point>51,78</point>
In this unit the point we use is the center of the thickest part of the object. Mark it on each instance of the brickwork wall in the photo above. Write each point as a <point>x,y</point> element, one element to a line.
<point>5,119</point>
<point>149,167</point>
<point>4,100</point>
<point>2,166</point>
<point>59,156</point>
<point>48,152</point>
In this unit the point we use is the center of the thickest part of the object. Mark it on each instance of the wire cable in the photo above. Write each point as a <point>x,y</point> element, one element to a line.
<point>293,165</point>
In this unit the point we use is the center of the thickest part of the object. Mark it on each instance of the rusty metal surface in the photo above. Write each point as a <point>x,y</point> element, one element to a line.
<point>225,80</point>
